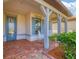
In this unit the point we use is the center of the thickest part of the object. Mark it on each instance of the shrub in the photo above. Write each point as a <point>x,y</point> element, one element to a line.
<point>53,37</point>
<point>69,42</point>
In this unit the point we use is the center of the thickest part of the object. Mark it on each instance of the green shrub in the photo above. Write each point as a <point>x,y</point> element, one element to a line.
<point>53,37</point>
<point>69,42</point>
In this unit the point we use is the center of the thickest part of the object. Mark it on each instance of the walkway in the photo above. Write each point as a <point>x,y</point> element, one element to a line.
<point>24,49</point>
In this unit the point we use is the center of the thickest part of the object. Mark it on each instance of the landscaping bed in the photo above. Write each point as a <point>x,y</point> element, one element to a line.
<point>67,42</point>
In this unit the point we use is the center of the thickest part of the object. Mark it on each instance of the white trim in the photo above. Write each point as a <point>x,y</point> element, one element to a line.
<point>42,2</point>
<point>43,10</point>
<point>19,37</point>
<point>36,37</point>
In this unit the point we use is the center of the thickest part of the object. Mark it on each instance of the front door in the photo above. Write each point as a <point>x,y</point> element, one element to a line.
<point>36,26</point>
<point>11,28</point>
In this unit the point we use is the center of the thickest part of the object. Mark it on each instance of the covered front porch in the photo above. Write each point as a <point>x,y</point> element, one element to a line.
<point>28,10</point>
<point>27,27</point>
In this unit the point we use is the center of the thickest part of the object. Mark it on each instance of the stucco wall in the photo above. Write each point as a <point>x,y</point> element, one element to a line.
<point>23,25</point>
<point>21,30</point>
<point>28,23</point>
<point>71,26</point>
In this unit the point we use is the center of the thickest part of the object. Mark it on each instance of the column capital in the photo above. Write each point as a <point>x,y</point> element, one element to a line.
<point>58,15</point>
<point>46,11</point>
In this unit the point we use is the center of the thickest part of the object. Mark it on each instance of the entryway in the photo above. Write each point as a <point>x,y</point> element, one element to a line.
<point>37,28</point>
<point>11,28</point>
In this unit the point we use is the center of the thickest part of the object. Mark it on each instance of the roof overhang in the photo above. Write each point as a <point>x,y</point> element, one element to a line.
<point>42,2</point>
<point>59,6</point>
<point>72,18</point>
<point>24,6</point>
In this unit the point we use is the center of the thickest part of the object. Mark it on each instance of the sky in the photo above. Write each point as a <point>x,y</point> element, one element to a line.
<point>71,5</point>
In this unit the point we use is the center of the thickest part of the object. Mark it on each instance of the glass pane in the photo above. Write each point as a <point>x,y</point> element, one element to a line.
<point>11,26</point>
<point>36,26</point>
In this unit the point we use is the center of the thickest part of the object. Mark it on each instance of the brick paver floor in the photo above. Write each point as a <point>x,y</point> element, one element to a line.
<point>24,49</point>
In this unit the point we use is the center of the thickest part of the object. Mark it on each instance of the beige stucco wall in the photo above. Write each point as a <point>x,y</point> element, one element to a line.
<point>23,24</point>
<point>21,30</point>
<point>70,24</point>
<point>28,23</point>
<point>54,27</point>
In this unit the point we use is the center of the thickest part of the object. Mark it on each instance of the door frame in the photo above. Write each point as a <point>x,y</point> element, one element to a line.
<point>15,27</point>
<point>33,19</point>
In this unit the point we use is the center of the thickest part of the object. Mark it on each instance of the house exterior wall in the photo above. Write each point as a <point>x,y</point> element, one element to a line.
<point>23,25</point>
<point>70,24</point>
<point>28,25</point>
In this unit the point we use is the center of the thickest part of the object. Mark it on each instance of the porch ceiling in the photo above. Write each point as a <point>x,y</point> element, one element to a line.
<point>59,6</point>
<point>25,6</point>
<point>21,6</point>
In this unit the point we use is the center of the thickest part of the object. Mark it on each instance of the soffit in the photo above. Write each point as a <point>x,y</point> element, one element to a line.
<point>21,6</point>
<point>59,6</point>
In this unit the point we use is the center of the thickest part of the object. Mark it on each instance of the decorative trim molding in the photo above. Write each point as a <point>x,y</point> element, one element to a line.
<point>18,36</point>
<point>23,34</point>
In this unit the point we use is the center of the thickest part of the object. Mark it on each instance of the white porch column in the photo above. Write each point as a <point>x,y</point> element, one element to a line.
<point>65,24</point>
<point>59,23</point>
<point>47,12</point>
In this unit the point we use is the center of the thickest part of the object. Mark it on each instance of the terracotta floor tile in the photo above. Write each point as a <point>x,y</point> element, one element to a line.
<point>24,49</point>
